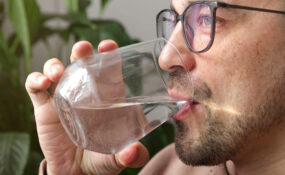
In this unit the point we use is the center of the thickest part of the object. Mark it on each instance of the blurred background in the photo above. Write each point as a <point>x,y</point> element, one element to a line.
<point>32,31</point>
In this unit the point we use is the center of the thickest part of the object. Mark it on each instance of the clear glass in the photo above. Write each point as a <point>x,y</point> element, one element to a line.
<point>110,100</point>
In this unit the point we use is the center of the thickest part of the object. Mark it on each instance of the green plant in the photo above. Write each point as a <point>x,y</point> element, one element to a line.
<point>20,152</point>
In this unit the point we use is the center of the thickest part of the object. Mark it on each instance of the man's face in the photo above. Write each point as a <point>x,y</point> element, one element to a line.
<point>239,82</point>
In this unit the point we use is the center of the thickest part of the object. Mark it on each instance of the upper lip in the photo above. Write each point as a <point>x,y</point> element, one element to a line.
<point>176,94</point>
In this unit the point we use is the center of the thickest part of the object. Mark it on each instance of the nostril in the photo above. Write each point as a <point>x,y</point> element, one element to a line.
<point>175,68</point>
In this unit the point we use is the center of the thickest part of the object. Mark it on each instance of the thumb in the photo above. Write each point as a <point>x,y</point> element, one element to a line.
<point>134,156</point>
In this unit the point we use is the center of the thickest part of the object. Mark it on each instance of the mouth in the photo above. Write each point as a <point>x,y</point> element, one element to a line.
<point>185,106</point>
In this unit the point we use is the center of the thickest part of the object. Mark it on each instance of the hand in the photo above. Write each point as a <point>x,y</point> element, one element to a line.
<point>62,156</point>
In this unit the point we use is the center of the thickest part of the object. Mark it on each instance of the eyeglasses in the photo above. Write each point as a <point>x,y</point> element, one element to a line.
<point>198,23</point>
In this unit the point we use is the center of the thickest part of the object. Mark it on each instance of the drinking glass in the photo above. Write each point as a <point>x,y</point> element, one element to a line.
<point>109,100</point>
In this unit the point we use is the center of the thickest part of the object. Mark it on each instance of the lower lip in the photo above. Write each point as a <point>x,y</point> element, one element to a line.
<point>182,113</point>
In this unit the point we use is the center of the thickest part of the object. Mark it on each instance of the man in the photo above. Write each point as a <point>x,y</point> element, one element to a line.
<point>236,57</point>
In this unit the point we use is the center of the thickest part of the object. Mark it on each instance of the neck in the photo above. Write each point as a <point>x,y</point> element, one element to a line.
<point>263,155</point>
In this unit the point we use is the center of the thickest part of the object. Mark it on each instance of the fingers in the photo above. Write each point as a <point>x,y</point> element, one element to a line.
<point>53,69</point>
<point>80,50</point>
<point>107,45</point>
<point>83,48</point>
<point>111,63</point>
<point>110,73</point>
<point>133,156</point>
<point>36,85</point>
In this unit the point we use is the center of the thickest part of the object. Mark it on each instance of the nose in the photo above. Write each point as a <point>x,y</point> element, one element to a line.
<point>169,60</point>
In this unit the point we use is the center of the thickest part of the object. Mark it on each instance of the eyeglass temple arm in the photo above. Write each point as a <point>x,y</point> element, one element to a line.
<point>249,8</point>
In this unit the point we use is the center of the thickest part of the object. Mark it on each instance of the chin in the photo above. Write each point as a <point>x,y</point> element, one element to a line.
<point>212,146</point>
<point>199,157</point>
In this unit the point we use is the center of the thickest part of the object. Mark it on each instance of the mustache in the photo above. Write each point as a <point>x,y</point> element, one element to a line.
<point>196,89</point>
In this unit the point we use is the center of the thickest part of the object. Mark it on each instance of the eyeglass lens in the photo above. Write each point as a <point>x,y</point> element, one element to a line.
<point>197,24</point>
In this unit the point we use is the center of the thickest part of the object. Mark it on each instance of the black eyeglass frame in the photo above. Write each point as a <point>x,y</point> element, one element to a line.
<point>213,5</point>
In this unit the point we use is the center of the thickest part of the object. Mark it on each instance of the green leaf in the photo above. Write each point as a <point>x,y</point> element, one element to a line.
<point>4,49</point>
<point>130,171</point>
<point>154,141</point>
<point>72,5</point>
<point>111,29</point>
<point>83,4</point>
<point>13,98</point>
<point>65,35</point>
<point>103,5</point>
<point>14,149</point>
<point>96,31</point>
<point>19,20</point>
<point>79,20</point>
<point>88,34</point>
<point>8,61</point>
<point>26,19</point>
<point>34,17</point>
<point>15,106</point>
<point>45,33</point>
<point>2,14</point>
<point>159,138</point>
<point>33,164</point>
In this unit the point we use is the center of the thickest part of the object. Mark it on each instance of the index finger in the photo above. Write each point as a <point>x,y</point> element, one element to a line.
<point>110,63</point>
<point>81,49</point>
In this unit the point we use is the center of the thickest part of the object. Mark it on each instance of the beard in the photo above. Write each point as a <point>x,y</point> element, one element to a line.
<point>220,140</point>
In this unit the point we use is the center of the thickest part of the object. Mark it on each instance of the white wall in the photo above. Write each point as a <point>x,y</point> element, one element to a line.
<point>137,16</point>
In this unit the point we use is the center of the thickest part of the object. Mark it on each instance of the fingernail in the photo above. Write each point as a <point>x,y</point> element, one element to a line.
<point>55,68</point>
<point>40,79</point>
<point>127,156</point>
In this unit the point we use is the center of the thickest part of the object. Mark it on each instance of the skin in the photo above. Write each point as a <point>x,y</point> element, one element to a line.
<point>66,158</point>
<point>238,84</point>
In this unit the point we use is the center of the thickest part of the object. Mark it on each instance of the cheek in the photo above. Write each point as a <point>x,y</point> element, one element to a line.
<point>244,63</point>
<point>239,73</point>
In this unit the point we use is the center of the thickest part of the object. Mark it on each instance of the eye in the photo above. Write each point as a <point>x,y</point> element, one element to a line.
<point>205,20</point>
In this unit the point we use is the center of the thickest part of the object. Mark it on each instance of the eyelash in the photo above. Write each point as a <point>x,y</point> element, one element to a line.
<point>202,18</point>
<point>218,20</point>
